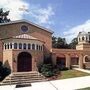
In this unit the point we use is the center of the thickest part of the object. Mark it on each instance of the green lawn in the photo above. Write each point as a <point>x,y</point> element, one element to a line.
<point>71,74</point>
<point>88,88</point>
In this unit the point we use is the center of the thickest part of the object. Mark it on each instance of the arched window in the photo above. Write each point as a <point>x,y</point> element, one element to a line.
<point>20,45</point>
<point>15,45</point>
<point>29,46</point>
<point>10,45</point>
<point>37,47</point>
<point>5,46</point>
<point>79,38</point>
<point>82,38</point>
<point>86,38</point>
<point>41,48</point>
<point>24,46</point>
<point>33,46</point>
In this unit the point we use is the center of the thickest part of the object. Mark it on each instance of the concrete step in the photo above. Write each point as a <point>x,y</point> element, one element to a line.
<point>23,78</point>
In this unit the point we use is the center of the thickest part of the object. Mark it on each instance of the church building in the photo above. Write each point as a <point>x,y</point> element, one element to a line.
<point>24,45</point>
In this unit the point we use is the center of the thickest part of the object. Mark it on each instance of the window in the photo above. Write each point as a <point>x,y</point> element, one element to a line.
<point>33,46</point>
<point>37,47</point>
<point>24,46</point>
<point>10,45</point>
<point>41,48</point>
<point>29,46</point>
<point>15,45</point>
<point>86,38</point>
<point>20,45</point>
<point>5,46</point>
<point>82,38</point>
<point>24,28</point>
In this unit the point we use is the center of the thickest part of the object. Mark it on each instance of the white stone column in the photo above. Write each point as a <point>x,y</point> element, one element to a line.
<point>68,61</point>
<point>12,45</point>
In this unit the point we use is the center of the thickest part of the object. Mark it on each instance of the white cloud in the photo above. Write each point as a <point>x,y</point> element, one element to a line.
<point>42,15</point>
<point>36,12</point>
<point>73,32</point>
<point>13,6</point>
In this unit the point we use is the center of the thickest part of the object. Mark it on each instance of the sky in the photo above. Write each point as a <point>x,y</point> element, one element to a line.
<point>66,18</point>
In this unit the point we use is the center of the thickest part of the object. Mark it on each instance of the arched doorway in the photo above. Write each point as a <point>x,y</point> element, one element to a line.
<point>24,62</point>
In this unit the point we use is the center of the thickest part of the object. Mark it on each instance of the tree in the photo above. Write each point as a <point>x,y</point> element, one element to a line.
<point>59,43</point>
<point>73,43</point>
<point>3,16</point>
<point>54,42</point>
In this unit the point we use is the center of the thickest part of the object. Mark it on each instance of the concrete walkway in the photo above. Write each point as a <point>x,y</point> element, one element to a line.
<point>64,84</point>
<point>83,70</point>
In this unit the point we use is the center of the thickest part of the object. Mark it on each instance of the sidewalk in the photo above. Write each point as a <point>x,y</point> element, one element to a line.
<point>83,70</point>
<point>64,84</point>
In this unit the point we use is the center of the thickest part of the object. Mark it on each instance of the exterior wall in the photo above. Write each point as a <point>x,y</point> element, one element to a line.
<point>1,51</point>
<point>37,57</point>
<point>7,58</point>
<point>40,34</point>
<point>83,47</point>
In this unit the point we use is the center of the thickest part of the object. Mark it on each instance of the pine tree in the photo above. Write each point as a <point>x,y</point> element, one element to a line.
<point>3,16</point>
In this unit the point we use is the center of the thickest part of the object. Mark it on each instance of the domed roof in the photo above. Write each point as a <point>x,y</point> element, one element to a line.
<point>83,33</point>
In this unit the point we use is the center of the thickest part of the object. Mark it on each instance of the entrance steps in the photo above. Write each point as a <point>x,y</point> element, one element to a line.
<point>23,78</point>
<point>75,66</point>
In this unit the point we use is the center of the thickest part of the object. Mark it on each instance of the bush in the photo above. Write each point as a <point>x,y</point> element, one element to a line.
<point>4,71</point>
<point>48,70</point>
<point>62,67</point>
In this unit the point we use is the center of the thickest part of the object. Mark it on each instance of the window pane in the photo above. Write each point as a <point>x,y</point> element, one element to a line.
<point>37,47</point>
<point>15,45</point>
<point>5,46</point>
<point>29,46</point>
<point>20,45</point>
<point>10,45</point>
<point>24,46</point>
<point>33,46</point>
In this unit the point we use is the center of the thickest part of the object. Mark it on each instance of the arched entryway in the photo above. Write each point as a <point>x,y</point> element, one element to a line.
<point>24,62</point>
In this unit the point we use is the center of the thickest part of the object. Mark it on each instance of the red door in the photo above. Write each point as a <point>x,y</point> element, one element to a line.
<point>24,62</point>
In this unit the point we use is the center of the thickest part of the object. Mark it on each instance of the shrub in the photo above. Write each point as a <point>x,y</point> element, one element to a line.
<point>4,71</point>
<point>48,70</point>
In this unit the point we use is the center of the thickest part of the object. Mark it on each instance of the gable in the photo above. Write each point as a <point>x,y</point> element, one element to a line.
<point>9,30</point>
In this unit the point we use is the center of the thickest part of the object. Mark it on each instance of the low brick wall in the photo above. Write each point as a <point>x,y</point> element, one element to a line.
<point>87,65</point>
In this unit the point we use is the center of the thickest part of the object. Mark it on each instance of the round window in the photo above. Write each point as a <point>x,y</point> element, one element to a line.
<point>24,28</point>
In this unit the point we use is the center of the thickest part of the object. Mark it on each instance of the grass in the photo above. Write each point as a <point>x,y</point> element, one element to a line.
<point>71,74</point>
<point>88,88</point>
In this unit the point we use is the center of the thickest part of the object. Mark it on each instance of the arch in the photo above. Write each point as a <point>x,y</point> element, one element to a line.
<point>29,46</point>
<point>15,45</point>
<point>20,45</point>
<point>86,58</point>
<point>61,60</point>
<point>24,46</point>
<point>24,62</point>
<point>33,46</point>
<point>74,59</point>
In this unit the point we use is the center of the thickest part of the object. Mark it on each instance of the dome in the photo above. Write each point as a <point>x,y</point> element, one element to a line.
<point>83,33</point>
<point>83,37</point>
